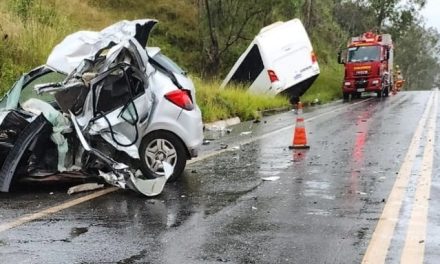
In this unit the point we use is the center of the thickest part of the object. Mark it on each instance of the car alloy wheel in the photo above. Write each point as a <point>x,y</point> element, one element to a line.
<point>157,151</point>
<point>160,146</point>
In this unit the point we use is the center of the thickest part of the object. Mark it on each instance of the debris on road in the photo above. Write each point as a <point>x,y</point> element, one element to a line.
<point>245,133</point>
<point>223,146</point>
<point>222,125</point>
<point>272,178</point>
<point>84,188</point>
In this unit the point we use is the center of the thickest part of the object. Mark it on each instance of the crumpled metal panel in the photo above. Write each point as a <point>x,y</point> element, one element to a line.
<point>21,145</point>
<point>68,54</point>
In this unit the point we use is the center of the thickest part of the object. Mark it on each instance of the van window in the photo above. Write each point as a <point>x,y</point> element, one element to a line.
<point>250,68</point>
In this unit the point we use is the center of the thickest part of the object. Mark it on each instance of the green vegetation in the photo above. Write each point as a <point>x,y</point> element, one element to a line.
<point>234,101</point>
<point>28,32</point>
<point>324,87</point>
<point>207,36</point>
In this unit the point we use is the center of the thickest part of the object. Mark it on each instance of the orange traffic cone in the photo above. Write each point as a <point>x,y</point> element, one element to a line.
<point>299,134</point>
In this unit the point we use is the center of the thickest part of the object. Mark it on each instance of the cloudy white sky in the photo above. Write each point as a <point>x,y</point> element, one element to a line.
<point>432,14</point>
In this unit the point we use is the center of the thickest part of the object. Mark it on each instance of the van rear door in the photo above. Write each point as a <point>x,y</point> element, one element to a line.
<point>291,67</point>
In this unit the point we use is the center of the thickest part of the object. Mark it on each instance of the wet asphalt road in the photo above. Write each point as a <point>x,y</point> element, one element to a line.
<point>323,209</point>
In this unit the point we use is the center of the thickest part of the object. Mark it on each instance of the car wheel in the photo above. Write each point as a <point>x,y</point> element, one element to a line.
<point>161,146</point>
<point>345,96</point>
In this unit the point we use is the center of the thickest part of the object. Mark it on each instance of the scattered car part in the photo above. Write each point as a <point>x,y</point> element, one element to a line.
<point>120,175</point>
<point>271,178</point>
<point>84,188</point>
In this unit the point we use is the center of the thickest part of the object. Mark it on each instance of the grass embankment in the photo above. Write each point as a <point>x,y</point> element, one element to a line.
<point>30,29</point>
<point>217,103</point>
<point>235,101</point>
<point>328,85</point>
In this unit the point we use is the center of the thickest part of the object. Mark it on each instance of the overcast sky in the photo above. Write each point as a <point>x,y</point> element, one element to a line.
<point>432,14</point>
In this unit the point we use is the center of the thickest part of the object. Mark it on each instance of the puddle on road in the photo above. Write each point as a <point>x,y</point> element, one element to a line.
<point>318,189</point>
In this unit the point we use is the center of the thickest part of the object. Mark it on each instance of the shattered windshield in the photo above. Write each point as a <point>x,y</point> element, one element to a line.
<point>364,53</point>
<point>28,91</point>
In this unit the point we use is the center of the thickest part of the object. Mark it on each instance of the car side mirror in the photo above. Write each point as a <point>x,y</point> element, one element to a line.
<point>129,113</point>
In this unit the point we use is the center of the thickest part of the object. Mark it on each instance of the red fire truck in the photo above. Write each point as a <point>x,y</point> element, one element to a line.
<point>368,63</point>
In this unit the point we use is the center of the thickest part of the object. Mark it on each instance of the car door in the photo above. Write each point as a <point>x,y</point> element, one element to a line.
<point>122,103</point>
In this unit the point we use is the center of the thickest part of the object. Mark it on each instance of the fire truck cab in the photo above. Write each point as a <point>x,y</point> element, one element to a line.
<point>368,62</point>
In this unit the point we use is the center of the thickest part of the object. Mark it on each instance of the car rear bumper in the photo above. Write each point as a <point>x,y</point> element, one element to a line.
<point>193,136</point>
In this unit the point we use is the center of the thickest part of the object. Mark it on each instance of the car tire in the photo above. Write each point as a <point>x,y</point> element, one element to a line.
<point>345,96</point>
<point>162,146</point>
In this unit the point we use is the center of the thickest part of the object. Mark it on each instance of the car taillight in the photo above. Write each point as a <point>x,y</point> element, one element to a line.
<point>314,58</point>
<point>272,76</point>
<point>181,98</point>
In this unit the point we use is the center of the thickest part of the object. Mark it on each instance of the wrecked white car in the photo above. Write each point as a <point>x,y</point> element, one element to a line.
<point>104,106</point>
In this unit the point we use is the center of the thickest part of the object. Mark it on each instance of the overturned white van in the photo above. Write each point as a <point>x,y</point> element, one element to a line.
<point>279,60</point>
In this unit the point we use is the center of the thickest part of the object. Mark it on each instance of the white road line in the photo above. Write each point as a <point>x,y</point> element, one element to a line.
<point>380,241</point>
<point>414,248</point>
<point>31,217</point>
